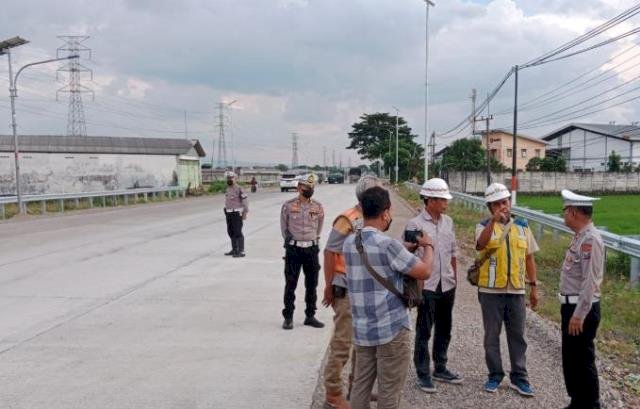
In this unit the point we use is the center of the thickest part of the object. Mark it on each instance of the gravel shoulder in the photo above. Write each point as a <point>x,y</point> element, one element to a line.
<point>466,354</point>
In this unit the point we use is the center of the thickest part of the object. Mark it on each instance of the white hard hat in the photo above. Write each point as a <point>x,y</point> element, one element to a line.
<point>229,174</point>
<point>495,192</point>
<point>366,182</point>
<point>436,187</point>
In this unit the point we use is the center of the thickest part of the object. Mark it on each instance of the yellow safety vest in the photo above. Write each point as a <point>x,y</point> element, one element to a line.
<point>508,261</point>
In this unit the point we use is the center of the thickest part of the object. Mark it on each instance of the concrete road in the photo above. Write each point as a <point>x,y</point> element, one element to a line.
<point>138,307</point>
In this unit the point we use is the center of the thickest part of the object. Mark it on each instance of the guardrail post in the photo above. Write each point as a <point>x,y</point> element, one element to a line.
<point>539,231</point>
<point>44,207</point>
<point>146,197</point>
<point>115,200</point>
<point>634,274</point>
<point>61,205</point>
<point>77,203</point>
<point>135,198</point>
<point>91,202</point>
<point>126,199</point>
<point>555,235</point>
<point>104,201</point>
<point>2,211</point>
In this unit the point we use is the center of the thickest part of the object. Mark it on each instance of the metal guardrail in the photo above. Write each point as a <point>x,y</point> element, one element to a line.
<point>61,197</point>
<point>622,244</point>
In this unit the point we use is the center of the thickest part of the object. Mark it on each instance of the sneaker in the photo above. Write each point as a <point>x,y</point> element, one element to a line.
<point>426,385</point>
<point>313,322</point>
<point>492,385</point>
<point>447,376</point>
<point>522,387</point>
<point>287,324</point>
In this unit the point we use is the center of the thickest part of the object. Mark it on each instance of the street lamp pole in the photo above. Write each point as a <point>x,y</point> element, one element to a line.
<point>5,48</point>
<point>426,91</point>
<point>397,114</point>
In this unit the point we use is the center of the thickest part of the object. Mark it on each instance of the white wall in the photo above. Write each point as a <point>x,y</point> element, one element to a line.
<point>73,173</point>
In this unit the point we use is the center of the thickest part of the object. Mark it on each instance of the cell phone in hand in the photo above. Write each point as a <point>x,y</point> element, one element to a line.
<point>411,236</point>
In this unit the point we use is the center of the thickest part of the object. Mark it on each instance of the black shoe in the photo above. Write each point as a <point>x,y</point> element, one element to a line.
<point>425,384</point>
<point>230,253</point>
<point>313,322</point>
<point>287,324</point>
<point>236,255</point>
<point>447,376</point>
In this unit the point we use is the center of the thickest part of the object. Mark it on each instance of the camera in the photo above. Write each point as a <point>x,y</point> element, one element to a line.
<point>411,236</point>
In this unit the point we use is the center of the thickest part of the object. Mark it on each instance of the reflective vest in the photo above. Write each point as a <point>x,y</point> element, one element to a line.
<point>507,264</point>
<point>353,215</point>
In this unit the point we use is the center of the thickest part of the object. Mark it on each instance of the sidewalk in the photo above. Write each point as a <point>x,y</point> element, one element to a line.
<point>466,353</point>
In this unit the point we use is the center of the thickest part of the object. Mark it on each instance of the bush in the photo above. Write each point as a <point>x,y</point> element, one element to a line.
<point>218,186</point>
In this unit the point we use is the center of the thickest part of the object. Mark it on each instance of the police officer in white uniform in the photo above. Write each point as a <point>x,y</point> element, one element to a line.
<point>580,281</point>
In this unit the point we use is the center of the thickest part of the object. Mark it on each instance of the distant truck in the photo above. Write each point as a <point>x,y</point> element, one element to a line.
<point>354,175</point>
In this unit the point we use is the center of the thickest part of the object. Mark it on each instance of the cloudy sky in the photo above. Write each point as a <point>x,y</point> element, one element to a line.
<point>306,66</point>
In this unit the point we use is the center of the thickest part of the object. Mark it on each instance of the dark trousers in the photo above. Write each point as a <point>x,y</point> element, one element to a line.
<point>579,359</point>
<point>296,258</point>
<point>437,309</point>
<point>510,309</point>
<point>234,229</point>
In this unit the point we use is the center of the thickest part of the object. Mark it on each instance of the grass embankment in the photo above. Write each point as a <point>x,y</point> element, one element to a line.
<point>619,213</point>
<point>619,334</point>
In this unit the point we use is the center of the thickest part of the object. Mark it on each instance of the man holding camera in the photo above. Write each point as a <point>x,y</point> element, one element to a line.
<point>440,289</point>
<point>381,325</point>
<point>335,295</point>
<point>301,221</point>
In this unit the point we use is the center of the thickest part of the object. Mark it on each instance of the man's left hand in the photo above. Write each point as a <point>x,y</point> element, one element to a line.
<point>534,298</point>
<point>575,326</point>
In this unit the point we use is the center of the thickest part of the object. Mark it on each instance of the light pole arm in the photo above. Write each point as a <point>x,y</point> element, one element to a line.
<point>15,79</point>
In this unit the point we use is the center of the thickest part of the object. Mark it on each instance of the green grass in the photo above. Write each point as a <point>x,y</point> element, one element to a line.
<point>619,213</point>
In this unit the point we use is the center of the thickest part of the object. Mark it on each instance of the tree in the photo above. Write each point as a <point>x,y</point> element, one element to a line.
<point>553,164</point>
<point>614,164</point>
<point>465,155</point>
<point>282,167</point>
<point>534,164</point>
<point>373,137</point>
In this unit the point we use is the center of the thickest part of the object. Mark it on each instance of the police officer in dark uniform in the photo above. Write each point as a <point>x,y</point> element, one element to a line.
<point>580,281</point>
<point>301,221</point>
<point>236,207</point>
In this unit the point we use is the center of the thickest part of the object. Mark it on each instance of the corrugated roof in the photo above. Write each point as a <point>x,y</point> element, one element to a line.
<point>626,132</point>
<point>100,144</point>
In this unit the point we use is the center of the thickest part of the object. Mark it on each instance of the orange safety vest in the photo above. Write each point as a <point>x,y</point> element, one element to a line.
<point>352,215</point>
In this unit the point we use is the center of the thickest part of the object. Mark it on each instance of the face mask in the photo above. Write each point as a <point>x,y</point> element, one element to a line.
<point>229,182</point>
<point>307,193</point>
<point>388,224</point>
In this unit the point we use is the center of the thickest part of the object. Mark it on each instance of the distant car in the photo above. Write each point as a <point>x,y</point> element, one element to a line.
<point>288,181</point>
<point>335,178</point>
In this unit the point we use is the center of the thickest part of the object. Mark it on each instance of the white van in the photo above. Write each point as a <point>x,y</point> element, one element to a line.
<point>288,181</point>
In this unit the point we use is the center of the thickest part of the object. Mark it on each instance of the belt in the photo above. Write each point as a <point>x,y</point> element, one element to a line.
<point>573,299</point>
<point>240,210</point>
<point>303,244</point>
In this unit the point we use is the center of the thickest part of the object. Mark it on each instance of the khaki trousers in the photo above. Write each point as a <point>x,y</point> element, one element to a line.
<point>389,363</point>
<point>339,346</point>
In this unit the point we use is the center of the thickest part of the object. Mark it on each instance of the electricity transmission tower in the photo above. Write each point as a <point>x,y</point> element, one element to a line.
<point>294,150</point>
<point>76,124</point>
<point>222,143</point>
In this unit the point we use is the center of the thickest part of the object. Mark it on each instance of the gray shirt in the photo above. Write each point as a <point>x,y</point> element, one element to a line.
<point>235,198</point>
<point>583,268</point>
<point>444,243</point>
<point>301,220</point>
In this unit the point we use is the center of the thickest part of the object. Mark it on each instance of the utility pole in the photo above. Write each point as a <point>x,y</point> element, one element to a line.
<point>222,143</point>
<point>186,134</point>
<point>472,117</point>
<point>432,149</point>
<point>76,124</point>
<point>294,150</point>
<point>486,119</point>
<point>514,152</point>
<point>397,114</point>
<point>333,158</point>
<point>324,158</point>
<point>428,3</point>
